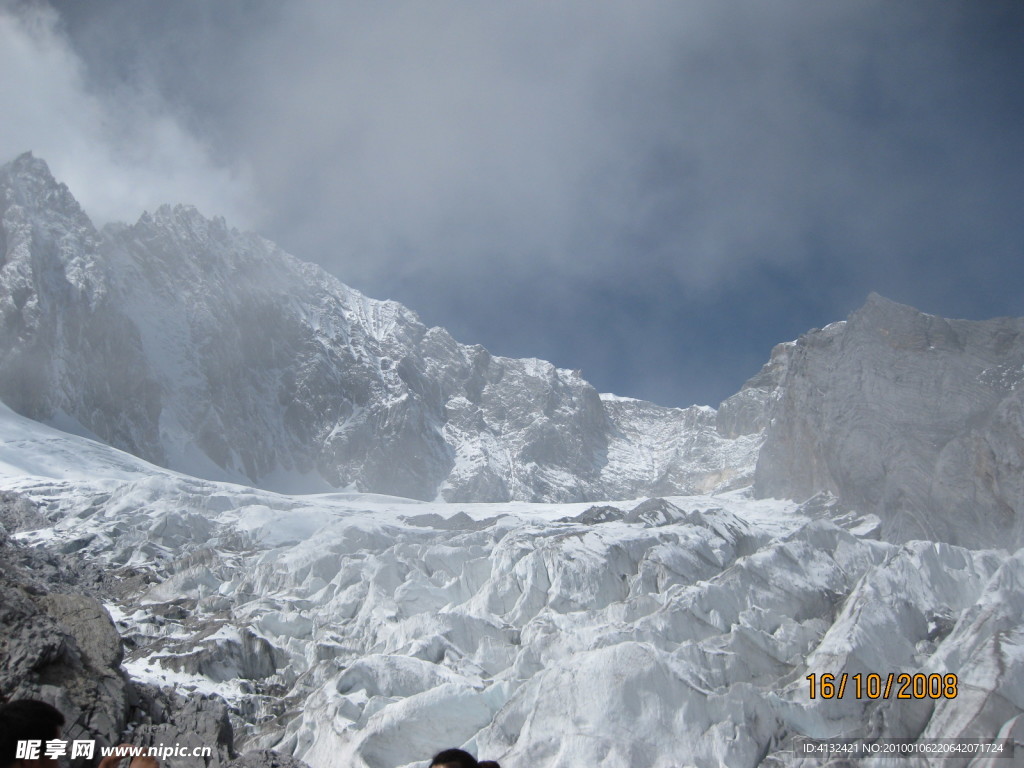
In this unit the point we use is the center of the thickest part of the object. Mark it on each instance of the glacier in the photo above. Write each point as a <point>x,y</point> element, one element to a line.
<point>670,631</point>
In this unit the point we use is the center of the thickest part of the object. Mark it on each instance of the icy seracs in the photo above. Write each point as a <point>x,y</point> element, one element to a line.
<point>677,631</point>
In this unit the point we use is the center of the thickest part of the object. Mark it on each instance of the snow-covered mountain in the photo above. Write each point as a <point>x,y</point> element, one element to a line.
<point>211,351</point>
<point>855,508</point>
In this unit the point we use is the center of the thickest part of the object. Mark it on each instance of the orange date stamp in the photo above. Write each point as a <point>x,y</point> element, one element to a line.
<point>894,685</point>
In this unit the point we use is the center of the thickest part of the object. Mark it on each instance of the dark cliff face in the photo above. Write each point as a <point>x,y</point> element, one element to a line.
<point>910,416</point>
<point>65,345</point>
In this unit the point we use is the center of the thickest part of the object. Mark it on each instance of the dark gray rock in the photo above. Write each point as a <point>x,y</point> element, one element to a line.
<point>58,644</point>
<point>266,758</point>
<point>60,647</point>
<point>246,656</point>
<point>596,515</point>
<point>460,521</point>
<point>90,624</point>
<point>190,723</point>
<point>654,513</point>
<point>18,513</point>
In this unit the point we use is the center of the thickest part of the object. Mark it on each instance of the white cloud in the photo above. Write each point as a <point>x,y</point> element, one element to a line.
<point>118,151</point>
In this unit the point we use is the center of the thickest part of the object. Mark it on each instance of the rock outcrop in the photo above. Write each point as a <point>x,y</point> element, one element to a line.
<point>59,644</point>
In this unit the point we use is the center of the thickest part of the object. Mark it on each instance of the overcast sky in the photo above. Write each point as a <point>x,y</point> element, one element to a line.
<point>653,192</point>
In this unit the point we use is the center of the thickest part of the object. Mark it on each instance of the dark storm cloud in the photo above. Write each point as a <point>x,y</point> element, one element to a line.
<point>627,188</point>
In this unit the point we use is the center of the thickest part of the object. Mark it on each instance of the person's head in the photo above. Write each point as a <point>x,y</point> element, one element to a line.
<point>27,720</point>
<point>451,758</point>
<point>489,764</point>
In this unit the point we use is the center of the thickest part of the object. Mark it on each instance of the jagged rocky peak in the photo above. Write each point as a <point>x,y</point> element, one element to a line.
<point>907,415</point>
<point>212,351</point>
<point>27,185</point>
<point>28,182</point>
<point>53,312</point>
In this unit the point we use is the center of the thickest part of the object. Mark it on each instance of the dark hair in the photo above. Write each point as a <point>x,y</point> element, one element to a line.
<point>456,757</point>
<point>489,764</point>
<point>26,720</point>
